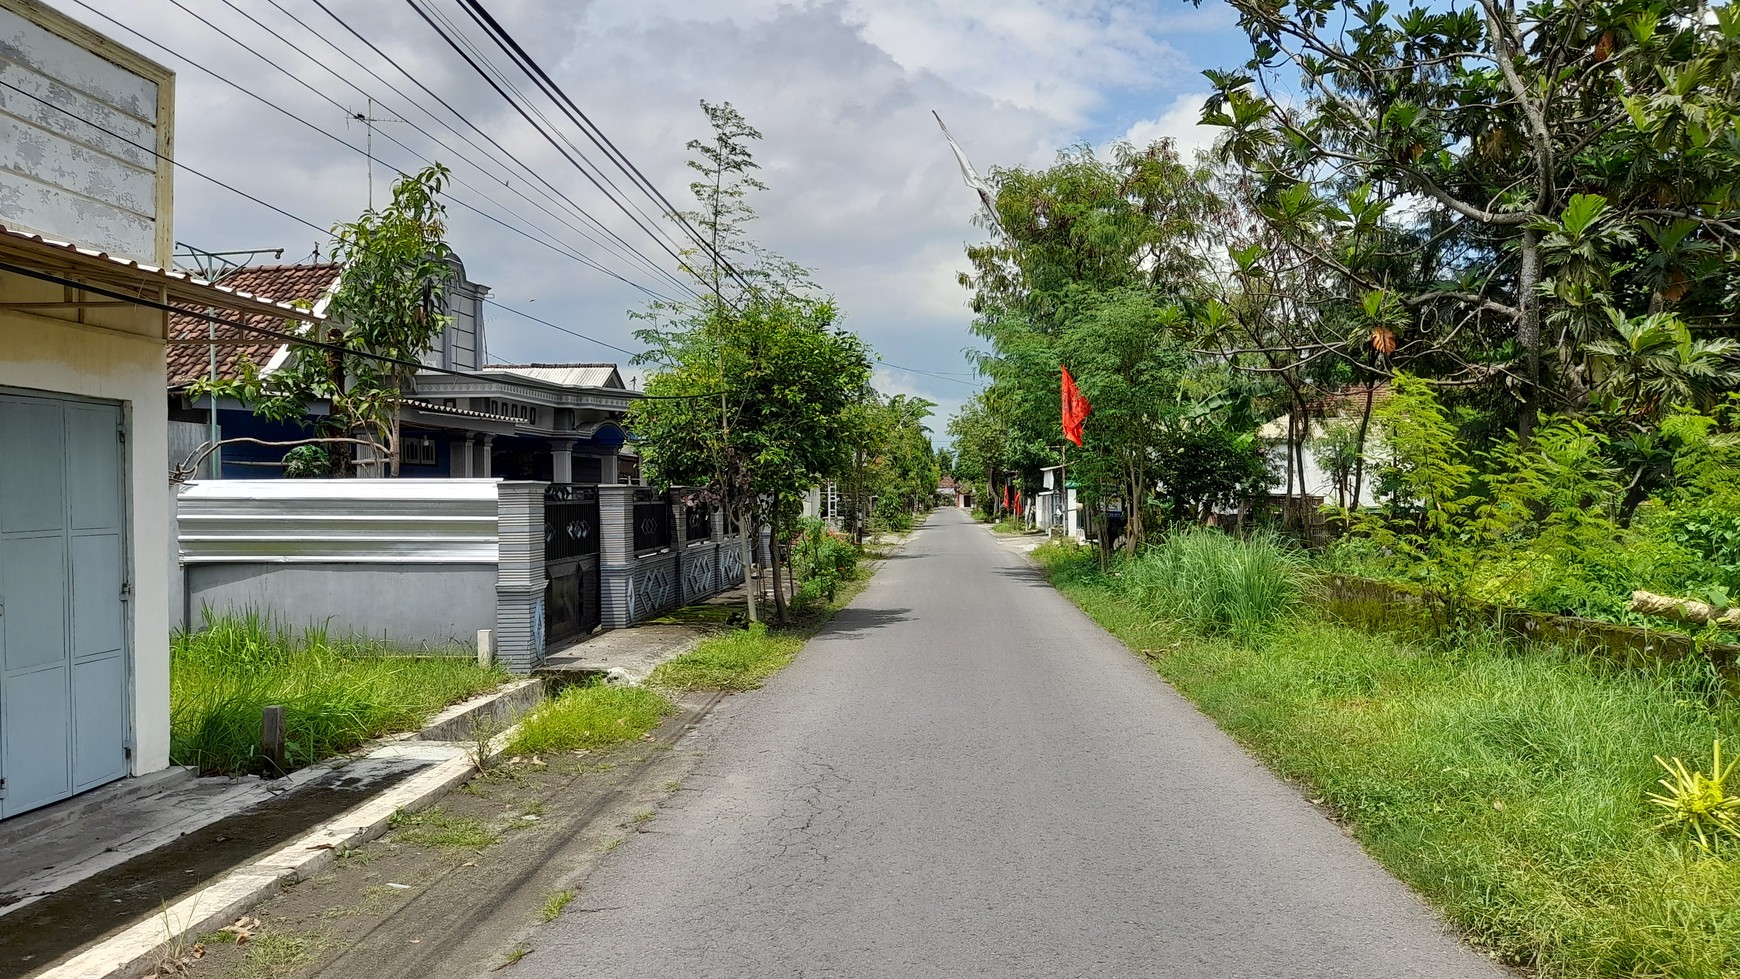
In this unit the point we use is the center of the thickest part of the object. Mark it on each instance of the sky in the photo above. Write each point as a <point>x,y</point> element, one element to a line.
<point>862,187</point>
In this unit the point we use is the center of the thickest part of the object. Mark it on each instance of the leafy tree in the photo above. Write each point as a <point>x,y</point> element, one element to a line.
<point>754,384</point>
<point>1546,164</point>
<point>387,313</point>
<point>1100,271</point>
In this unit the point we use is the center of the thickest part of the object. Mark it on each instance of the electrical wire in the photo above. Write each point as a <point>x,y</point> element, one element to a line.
<point>935,374</point>
<point>561,329</point>
<point>594,133</point>
<point>292,337</point>
<point>285,112</point>
<point>516,54</point>
<point>508,161</point>
<point>484,74</point>
<point>388,136</point>
<point>646,262</point>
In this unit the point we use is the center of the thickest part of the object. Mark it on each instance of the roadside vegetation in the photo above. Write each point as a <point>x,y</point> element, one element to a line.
<point>757,396</point>
<point>590,716</point>
<point>337,692</point>
<point>1511,786</point>
<point>829,575</point>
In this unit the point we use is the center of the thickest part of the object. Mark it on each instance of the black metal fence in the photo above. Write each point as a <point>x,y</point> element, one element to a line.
<point>698,522</point>
<point>570,521</point>
<point>652,521</point>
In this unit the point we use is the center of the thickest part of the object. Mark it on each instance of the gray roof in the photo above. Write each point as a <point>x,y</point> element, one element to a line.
<point>568,375</point>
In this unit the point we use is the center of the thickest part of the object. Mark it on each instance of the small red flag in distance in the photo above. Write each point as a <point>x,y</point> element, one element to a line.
<point>1075,409</point>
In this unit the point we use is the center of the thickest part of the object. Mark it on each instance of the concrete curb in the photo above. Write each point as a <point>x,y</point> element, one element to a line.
<point>137,950</point>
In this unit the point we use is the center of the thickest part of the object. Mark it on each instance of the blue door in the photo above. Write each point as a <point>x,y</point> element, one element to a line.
<point>64,723</point>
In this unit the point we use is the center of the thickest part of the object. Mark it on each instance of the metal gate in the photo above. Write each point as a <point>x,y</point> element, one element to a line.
<point>572,598</point>
<point>64,647</point>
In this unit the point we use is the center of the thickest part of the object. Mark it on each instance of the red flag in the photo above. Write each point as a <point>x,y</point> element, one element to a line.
<point>1075,409</point>
<point>1018,512</point>
<point>1007,505</point>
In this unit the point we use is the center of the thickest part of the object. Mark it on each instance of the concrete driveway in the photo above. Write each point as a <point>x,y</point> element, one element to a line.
<point>964,776</point>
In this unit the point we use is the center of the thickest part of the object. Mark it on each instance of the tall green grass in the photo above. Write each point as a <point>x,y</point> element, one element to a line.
<point>1507,785</point>
<point>1217,583</point>
<point>337,693</point>
<point>738,660</point>
<point>590,716</point>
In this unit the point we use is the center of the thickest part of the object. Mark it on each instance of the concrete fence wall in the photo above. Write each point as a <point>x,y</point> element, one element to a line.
<point>1379,606</point>
<point>426,562</point>
<point>417,562</point>
<point>644,584</point>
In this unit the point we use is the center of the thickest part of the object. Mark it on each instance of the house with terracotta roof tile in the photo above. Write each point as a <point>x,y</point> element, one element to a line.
<point>465,417</point>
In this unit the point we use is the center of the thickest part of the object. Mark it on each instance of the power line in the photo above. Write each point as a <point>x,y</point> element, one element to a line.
<point>935,374</point>
<point>289,337</point>
<point>507,160</point>
<point>482,73</point>
<point>335,104</point>
<point>593,132</point>
<point>262,100</point>
<point>294,217</point>
<point>557,327</point>
<point>522,61</point>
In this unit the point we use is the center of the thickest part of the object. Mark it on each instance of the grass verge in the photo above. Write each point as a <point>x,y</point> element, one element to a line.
<point>1510,787</point>
<point>737,660</point>
<point>590,716</point>
<point>440,830</point>
<point>744,659</point>
<point>337,693</point>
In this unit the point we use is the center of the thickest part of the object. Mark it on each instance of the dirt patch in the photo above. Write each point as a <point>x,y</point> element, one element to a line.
<point>450,904</point>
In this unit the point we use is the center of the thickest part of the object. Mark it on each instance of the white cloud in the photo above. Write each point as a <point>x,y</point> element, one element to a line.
<point>1178,123</point>
<point>862,186</point>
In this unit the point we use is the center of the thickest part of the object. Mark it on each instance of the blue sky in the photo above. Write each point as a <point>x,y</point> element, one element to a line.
<point>861,185</point>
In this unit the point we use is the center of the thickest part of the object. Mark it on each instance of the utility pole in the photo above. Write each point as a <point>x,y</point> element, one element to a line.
<point>368,119</point>
<point>215,267</point>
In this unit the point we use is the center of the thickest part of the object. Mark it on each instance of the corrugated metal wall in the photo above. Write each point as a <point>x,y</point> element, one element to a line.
<point>351,521</point>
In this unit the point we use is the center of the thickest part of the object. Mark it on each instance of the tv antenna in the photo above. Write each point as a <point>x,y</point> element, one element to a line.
<point>368,119</point>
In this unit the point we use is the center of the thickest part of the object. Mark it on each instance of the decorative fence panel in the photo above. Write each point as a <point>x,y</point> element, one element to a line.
<point>573,603</point>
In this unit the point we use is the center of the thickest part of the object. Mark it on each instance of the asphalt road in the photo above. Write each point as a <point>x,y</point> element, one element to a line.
<point>963,776</point>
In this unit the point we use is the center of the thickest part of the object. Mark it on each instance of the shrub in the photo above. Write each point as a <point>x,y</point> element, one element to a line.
<point>823,560</point>
<point>1216,583</point>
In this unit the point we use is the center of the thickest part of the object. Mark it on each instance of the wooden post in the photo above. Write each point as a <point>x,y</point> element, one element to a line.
<point>272,739</point>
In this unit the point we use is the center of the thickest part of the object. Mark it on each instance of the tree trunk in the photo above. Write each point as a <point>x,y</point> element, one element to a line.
<point>743,515</point>
<point>1359,443</point>
<point>779,607</point>
<point>1528,332</point>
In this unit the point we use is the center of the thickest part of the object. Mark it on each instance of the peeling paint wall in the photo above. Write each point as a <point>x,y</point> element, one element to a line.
<point>79,144</point>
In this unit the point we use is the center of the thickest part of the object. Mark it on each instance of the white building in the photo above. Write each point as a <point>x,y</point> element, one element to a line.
<point>85,244</point>
<point>1056,506</point>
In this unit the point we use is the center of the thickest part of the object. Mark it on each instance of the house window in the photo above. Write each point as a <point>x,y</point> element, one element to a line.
<point>417,452</point>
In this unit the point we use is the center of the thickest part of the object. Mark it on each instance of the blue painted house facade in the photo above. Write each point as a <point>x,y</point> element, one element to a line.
<point>464,418</point>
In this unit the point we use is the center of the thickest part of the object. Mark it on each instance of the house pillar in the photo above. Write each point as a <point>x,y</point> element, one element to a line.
<point>607,469</point>
<point>520,581</point>
<point>460,452</point>
<point>561,461</point>
<point>486,464</point>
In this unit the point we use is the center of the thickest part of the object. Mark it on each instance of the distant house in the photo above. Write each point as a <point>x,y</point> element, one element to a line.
<point>85,549</point>
<point>1342,408</point>
<point>466,418</point>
